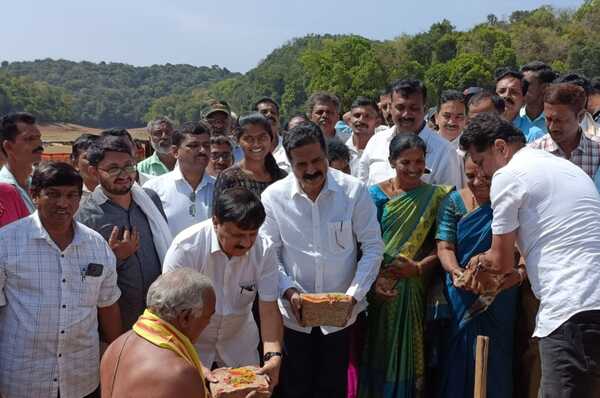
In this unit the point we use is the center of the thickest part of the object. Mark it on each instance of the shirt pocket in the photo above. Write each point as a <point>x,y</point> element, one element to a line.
<point>246,294</point>
<point>340,236</point>
<point>89,291</point>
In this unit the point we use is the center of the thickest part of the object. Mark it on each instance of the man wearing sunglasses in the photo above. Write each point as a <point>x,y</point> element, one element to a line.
<point>130,218</point>
<point>186,192</point>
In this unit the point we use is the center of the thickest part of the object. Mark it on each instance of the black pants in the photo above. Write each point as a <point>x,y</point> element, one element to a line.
<point>570,358</point>
<point>315,365</point>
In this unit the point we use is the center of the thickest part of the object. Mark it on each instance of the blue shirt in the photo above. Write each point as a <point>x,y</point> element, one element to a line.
<point>533,129</point>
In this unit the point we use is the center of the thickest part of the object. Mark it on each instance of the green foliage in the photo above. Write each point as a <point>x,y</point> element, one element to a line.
<point>346,67</point>
<point>44,101</point>
<point>114,94</point>
<point>108,94</point>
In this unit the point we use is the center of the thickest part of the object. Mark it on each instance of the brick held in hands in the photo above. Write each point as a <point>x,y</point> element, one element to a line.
<point>325,309</point>
<point>238,382</point>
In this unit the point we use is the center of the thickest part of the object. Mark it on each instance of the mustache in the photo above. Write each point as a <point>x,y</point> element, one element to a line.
<point>509,100</point>
<point>311,177</point>
<point>407,119</point>
<point>38,149</point>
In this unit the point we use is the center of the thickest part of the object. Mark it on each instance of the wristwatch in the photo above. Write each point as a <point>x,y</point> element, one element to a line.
<point>269,355</point>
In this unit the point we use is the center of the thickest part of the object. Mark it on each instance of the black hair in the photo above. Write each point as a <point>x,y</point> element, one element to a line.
<point>577,79</point>
<point>221,140</point>
<point>594,86</point>
<point>263,100</point>
<point>189,128</point>
<point>450,96</point>
<point>503,73</point>
<point>304,134</point>
<point>542,71</point>
<point>407,87</point>
<point>8,126</point>
<point>337,150</point>
<point>483,130</point>
<point>364,102</point>
<point>241,207</point>
<point>55,174</point>
<point>497,101</point>
<point>387,90</point>
<point>322,97</point>
<point>108,143</point>
<point>257,119</point>
<point>82,144</point>
<point>404,141</point>
<point>294,116</point>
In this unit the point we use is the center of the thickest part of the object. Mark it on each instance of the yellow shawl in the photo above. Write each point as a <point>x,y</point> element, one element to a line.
<point>163,334</point>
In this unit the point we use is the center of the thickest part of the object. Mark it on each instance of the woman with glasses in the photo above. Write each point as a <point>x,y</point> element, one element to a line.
<point>258,169</point>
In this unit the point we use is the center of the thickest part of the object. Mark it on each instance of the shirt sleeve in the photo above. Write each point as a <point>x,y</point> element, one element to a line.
<point>507,194</point>
<point>109,291</point>
<point>450,172</point>
<point>269,278</point>
<point>368,233</point>
<point>270,229</point>
<point>176,257</point>
<point>363,166</point>
<point>447,219</point>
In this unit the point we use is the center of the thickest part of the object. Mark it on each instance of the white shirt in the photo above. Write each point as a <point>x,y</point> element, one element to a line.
<point>281,158</point>
<point>355,155</point>
<point>48,310</point>
<point>317,241</point>
<point>176,193</point>
<point>231,335</point>
<point>441,158</point>
<point>554,207</point>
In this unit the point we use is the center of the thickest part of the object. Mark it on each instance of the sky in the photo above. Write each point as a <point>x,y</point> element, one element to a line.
<point>235,34</point>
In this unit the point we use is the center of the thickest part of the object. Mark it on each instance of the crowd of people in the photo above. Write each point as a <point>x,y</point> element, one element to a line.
<point>480,216</point>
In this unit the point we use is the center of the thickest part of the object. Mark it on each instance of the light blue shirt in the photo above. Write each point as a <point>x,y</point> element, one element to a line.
<point>7,177</point>
<point>532,129</point>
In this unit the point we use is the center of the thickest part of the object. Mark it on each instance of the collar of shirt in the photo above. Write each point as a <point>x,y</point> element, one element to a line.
<point>523,114</point>
<point>351,146</point>
<point>40,232</point>
<point>178,176</point>
<point>552,147</point>
<point>215,247</point>
<point>330,185</point>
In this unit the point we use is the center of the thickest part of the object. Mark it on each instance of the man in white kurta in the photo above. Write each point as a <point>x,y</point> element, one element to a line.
<point>240,264</point>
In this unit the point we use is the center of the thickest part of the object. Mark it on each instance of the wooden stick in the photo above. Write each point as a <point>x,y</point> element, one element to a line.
<point>481,361</point>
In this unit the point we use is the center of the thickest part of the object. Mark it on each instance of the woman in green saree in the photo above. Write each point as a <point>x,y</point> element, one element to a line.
<point>393,362</point>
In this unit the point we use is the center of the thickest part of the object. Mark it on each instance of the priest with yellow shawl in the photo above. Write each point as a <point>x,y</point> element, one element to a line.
<point>157,358</point>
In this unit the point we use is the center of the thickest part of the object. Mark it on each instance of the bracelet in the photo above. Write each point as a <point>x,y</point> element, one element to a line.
<point>269,355</point>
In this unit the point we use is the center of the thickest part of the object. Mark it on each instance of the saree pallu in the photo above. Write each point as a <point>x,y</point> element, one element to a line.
<point>393,361</point>
<point>472,316</point>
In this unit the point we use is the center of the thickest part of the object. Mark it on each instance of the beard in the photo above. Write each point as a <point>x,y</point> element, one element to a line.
<point>116,190</point>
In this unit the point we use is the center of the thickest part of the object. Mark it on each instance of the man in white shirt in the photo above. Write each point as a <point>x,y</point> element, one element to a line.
<point>451,115</point>
<point>239,263</point>
<point>186,192</point>
<point>549,207</point>
<point>363,120</point>
<point>408,112</point>
<point>58,281</point>
<point>323,109</point>
<point>316,218</point>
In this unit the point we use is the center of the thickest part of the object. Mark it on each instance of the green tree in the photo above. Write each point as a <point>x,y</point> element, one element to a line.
<point>347,67</point>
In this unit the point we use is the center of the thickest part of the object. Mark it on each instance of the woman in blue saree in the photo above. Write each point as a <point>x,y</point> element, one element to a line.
<point>464,230</point>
